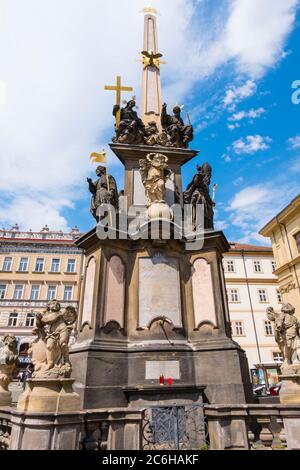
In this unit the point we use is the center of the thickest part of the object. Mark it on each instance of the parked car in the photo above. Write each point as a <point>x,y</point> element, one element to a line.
<point>274,391</point>
<point>260,390</point>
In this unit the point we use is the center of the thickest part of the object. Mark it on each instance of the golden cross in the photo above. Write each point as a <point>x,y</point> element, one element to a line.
<point>118,89</point>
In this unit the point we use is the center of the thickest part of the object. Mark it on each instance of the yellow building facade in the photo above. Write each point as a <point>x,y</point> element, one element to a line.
<point>35,267</point>
<point>284,232</point>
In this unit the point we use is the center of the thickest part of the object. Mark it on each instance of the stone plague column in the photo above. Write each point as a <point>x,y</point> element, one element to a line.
<point>151,85</point>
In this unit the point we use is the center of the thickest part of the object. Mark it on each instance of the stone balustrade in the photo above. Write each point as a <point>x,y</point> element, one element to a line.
<point>117,429</point>
<point>253,427</point>
<point>5,428</point>
<point>230,427</point>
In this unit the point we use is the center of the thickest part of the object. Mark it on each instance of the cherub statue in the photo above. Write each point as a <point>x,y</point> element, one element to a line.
<point>177,133</point>
<point>131,129</point>
<point>287,336</point>
<point>151,134</point>
<point>155,173</point>
<point>100,192</point>
<point>50,351</point>
<point>8,362</point>
<point>197,192</point>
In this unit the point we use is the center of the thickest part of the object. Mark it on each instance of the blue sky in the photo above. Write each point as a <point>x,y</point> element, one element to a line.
<point>230,62</point>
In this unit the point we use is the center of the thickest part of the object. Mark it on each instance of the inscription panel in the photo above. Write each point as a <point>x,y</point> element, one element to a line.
<point>203,295</point>
<point>169,369</point>
<point>88,292</point>
<point>159,290</point>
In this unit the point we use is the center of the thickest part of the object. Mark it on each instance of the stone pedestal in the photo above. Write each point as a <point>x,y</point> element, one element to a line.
<point>46,431</point>
<point>290,390</point>
<point>49,395</point>
<point>159,211</point>
<point>5,397</point>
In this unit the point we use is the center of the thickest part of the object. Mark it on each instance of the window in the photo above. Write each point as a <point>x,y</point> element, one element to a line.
<point>238,328</point>
<point>30,318</point>
<point>274,267</point>
<point>71,266</point>
<point>262,293</point>
<point>68,293</point>
<point>277,356</point>
<point>51,293</point>
<point>18,293</point>
<point>297,238</point>
<point>230,266</point>
<point>55,265</point>
<point>279,296</point>
<point>13,319</point>
<point>257,266</point>
<point>233,295</point>
<point>35,292</point>
<point>7,264</point>
<point>2,291</point>
<point>23,266</point>
<point>39,265</point>
<point>269,328</point>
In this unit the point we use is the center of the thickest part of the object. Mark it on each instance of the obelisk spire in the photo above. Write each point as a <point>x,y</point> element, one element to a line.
<point>151,86</point>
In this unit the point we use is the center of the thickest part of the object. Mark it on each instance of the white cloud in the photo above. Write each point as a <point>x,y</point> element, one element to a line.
<point>252,207</point>
<point>57,56</point>
<point>238,181</point>
<point>236,118</point>
<point>29,213</point>
<point>296,166</point>
<point>256,31</point>
<point>294,142</point>
<point>234,94</point>
<point>226,157</point>
<point>251,114</point>
<point>251,144</point>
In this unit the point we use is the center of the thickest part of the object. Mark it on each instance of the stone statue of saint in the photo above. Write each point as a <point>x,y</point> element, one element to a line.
<point>155,173</point>
<point>100,192</point>
<point>287,336</point>
<point>177,134</point>
<point>197,192</point>
<point>50,351</point>
<point>8,362</point>
<point>131,129</point>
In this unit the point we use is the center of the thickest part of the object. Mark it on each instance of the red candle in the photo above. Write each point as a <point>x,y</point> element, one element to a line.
<point>170,381</point>
<point>162,380</point>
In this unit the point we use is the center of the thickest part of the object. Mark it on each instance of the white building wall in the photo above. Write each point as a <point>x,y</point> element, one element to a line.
<point>258,346</point>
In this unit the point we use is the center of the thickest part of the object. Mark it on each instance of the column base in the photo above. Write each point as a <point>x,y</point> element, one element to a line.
<point>49,395</point>
<point>290,390</point>
<point>5,397</point>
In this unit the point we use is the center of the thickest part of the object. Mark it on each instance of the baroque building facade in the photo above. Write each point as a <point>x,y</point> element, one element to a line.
<point>39,266</point>
<point>252,287</point>
<point>35,267</point>
<point>284,232</point>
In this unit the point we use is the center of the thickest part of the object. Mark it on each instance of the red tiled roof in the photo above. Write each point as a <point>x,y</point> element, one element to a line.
<point>243,246</point>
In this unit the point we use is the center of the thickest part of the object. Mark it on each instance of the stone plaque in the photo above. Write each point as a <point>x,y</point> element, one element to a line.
<point>88,292</point>
<point>115,291</point>
<point>169,369</point>
<point>139,196</point>
<point>203,295</point>
<point>159,290</point>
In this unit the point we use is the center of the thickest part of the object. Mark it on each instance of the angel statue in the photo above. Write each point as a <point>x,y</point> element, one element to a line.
<point>50,351</point>
<point>155,173</point>
<point>8,362</point>
<point>287,336</point>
